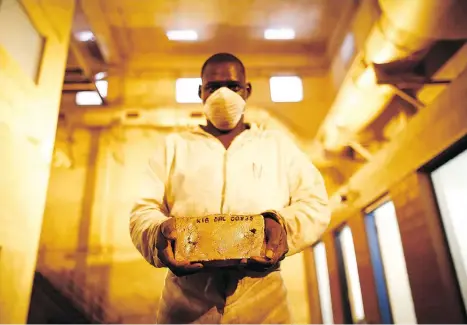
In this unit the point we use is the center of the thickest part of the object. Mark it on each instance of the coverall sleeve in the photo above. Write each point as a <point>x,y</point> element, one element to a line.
<point>308,214</point>
<point>150,208</point>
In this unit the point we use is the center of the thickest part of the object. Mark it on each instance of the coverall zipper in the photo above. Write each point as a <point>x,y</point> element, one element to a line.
<point>224,171</point>
<point>224,185</point>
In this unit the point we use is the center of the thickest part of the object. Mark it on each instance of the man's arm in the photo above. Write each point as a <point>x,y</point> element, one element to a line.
<point>308,215</point>
<point>150,209</point>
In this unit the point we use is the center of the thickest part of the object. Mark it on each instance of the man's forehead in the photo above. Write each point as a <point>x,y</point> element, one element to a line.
<point>223,71</point>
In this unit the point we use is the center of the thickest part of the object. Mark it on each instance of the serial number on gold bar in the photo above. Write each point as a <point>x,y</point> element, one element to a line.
<point>219,237</point>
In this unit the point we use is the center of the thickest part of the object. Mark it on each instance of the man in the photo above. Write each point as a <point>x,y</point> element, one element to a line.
<point>227,167</point>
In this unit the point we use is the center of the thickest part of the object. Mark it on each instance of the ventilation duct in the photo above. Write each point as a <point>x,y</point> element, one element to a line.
<point>163,117</point>
<point>401,37</point>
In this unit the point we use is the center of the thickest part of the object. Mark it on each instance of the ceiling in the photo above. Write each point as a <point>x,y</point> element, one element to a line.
<point>130,41</point>
<point>137,28</point>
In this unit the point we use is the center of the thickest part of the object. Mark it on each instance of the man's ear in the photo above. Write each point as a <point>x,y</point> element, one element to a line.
<point>199,92</point>
<point>248,89</point>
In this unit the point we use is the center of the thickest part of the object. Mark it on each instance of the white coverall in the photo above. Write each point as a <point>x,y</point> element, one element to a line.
<point>194,175</point>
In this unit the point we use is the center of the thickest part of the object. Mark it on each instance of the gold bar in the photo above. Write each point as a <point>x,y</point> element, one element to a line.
<point>219,237</point>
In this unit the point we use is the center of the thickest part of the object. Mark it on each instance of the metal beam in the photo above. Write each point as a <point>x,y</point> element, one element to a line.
<point>358,148</point>
<point>83,63</point>
<point>73,87</point>
<point>100,27</point>
<point>411,100</point>
<point>430,132</point>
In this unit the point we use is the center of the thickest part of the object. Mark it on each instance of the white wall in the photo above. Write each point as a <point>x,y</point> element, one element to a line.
<point>450,182</point>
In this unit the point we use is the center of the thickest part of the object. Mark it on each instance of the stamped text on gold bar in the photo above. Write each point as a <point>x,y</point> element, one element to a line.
<point>219,237</point>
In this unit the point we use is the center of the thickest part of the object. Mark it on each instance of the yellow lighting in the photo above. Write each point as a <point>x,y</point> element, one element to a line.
<point>379,51</point>
<point>352,110</point>
<point>366,79</point>
<point>279,34</point>
<point>386,54</point>
<point>332,137</point>
<point>182,35</point>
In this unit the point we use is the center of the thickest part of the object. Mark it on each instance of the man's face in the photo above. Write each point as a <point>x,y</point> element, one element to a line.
<point>227,74</point>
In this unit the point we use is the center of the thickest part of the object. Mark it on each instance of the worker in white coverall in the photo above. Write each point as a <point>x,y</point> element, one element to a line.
<point>228,167</point>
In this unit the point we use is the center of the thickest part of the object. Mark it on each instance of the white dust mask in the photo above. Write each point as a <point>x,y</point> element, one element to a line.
<point>224,108</point>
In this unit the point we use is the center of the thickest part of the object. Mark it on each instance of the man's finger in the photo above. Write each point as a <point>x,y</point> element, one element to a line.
<point>179,268</point>
<point>282,248</point>
<point>260,260</point>
<point>166,254</point>
<point>189,266</point>
<point>183,269</point>
<point>162,255</point>
<point>258,264</point>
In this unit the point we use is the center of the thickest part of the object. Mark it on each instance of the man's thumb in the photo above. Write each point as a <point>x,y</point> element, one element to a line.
<point>168,229</point>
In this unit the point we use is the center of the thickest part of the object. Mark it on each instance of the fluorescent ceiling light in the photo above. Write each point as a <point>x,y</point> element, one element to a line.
<point>182,35</point>
<point>186,90</point>
<point>85,36</point>
<point>88,98</point>
<point>279,34</point>
<point>348,47</point>
<point>286,89</point>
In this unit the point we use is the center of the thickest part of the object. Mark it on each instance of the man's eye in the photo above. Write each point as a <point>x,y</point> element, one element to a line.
<point>234,88</point>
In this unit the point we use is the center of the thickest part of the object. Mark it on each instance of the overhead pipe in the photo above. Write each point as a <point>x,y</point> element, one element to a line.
<point>161,117</point>
<point>404,33</point>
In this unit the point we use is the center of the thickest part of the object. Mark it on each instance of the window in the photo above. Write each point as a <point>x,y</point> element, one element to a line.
<point>92,98</point>
<point>286,89</point>
<point>322,274</point>
<point>347,48</point>
<point>88,98</point>
<point>25,44</point>
<point>347,249</point>
<point>387,255</point>
<point>186,90</point>
<point>450,183</point>
<point>102,86</point>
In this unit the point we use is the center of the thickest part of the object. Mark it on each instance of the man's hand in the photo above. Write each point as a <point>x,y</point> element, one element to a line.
<point>165,243</point>
<point>276,247</point>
